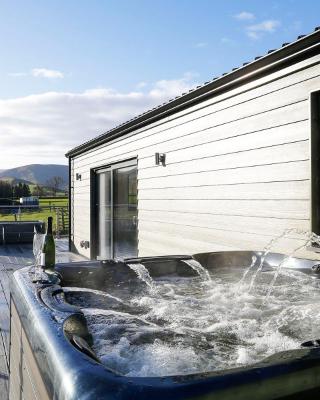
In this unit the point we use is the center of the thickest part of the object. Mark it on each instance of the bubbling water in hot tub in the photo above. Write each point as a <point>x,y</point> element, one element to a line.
<point>216,320</point>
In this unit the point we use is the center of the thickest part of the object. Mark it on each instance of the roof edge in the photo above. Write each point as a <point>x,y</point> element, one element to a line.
<point>273,59</point>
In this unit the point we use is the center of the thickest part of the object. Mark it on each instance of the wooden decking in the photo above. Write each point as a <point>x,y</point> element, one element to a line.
<point>13,257</point>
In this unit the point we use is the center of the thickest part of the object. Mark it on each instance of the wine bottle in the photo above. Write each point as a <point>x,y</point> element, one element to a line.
<point>48,253</point>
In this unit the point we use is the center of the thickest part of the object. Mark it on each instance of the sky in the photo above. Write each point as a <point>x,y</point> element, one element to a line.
<point>71,70</point>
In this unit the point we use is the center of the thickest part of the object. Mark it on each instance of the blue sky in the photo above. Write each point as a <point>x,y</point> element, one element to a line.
<point>72,69</point>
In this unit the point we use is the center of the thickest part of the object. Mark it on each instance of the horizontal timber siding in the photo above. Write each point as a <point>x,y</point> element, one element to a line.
<point>237,169</point>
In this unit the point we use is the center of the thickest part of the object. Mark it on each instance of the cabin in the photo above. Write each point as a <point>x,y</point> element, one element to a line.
<point>29,201</point>
<point>227,166</point>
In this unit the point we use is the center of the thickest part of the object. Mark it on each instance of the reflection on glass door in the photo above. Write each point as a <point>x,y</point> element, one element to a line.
<point>125,212</point>
<point>116,211</point>
<point>103,215</point>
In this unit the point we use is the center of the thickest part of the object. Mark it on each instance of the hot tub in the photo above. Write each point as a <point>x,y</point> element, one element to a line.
<point>116,330</point>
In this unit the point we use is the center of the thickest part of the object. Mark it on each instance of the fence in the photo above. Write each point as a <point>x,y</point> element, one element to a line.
<point>62,221</point>
<point>59,213</point>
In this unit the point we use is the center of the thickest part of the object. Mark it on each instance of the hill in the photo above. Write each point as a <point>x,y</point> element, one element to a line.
<point>15,181</point>
<point>36,173</point>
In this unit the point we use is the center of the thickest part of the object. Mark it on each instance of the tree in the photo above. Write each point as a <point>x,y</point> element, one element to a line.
<point>38,191</point>
<point>55,183</point>
<point>26,192</point>
<point>5,192</point>
<point>18,190</point>
<point>21,190</point>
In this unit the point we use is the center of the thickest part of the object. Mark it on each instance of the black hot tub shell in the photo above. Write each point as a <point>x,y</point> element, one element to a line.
<point>57,340</point>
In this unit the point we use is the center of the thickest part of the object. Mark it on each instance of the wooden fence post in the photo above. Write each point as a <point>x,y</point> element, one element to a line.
<point>62,220</point>
<point>57,223</point>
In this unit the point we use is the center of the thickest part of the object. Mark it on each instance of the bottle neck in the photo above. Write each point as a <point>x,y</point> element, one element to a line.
<point>49,226</point>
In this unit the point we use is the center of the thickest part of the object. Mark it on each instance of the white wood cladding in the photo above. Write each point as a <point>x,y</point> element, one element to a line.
<point>237,169</point>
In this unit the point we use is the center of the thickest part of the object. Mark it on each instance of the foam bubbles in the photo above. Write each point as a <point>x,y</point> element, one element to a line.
<point>188,325</point>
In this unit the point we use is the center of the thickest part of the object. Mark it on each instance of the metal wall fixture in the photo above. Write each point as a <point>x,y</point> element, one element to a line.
<point>84,244</point>
<point>160,159</point>
<point>78,177</point>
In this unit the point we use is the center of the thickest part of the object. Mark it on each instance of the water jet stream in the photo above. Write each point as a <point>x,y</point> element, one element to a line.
<point>200,270</point>
<point>143,274</point>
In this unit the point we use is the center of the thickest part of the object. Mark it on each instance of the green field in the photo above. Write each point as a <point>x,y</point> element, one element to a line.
<point>54,201</point>
<point>49,209</point>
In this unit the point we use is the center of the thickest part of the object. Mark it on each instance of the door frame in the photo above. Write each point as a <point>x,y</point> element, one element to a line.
<point>93,197</point>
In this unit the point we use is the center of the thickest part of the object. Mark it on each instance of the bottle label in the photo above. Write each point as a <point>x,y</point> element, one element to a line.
<point>43,260</point>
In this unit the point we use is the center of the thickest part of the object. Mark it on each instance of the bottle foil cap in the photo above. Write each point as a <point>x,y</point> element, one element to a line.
<point>43,259</point>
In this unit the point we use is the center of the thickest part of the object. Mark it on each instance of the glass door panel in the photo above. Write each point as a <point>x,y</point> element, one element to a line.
<point>103,213</point>
<point>125,212</point>
<point>115,223</point>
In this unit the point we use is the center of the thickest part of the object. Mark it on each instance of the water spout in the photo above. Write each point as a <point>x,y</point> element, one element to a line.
<point>270,246</point>
<point>200,270</point>
<point>246,272</point>
<point>311,237</point>
<point>143,275</point>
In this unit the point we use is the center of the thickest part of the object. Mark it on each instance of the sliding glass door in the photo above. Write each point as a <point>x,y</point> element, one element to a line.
<point>103,220</point>
<point>115,222</point>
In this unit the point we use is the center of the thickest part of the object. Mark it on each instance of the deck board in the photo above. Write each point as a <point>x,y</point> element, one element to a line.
<point>13,257</point>
<point>4,378</point>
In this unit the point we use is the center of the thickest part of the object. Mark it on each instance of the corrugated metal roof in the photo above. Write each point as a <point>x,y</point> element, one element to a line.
<point>303,42</point>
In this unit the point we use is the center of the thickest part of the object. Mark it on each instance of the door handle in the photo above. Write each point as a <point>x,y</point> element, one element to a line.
<point>134,220</point>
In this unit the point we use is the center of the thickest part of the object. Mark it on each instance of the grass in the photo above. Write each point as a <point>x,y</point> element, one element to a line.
<point>54,201</point>
<point>42,214</point>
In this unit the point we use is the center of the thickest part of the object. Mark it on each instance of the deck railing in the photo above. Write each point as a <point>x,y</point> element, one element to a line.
<point>18,213</point>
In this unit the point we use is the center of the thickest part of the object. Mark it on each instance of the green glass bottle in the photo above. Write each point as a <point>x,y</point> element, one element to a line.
<point>48,254</point>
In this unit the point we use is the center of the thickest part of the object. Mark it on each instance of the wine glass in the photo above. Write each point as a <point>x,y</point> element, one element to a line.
<point>37,248</point>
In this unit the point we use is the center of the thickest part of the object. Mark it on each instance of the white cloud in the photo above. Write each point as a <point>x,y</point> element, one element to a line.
<point>46,73</point>
<point>201,45</point>
<point>39,73</point>
<point>255,31</point>
<point>42,128</point>
<point>141,85</point>
<point>171,88</point>
<point>17,74</point>
<point>244,16</point>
